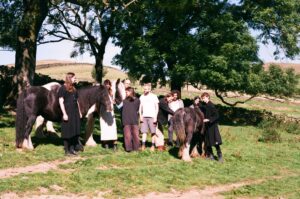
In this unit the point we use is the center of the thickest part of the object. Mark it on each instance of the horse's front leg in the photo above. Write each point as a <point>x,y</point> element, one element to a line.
<point>27,143</point>
<point>186,150</point>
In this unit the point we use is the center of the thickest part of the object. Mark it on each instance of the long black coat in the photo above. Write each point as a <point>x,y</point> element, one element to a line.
<point>212,133</point>
<point>71,127</point>
<point>164,110</point>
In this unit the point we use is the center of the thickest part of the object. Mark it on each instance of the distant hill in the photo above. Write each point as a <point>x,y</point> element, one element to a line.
<point>57,69</point>
<point>285,66</point>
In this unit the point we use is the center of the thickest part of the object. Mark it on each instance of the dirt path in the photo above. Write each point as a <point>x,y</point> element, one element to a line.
<point>211,192</point>
<point>39,168</point>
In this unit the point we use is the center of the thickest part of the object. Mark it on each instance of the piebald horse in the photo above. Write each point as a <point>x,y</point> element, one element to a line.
<point>38,101</point>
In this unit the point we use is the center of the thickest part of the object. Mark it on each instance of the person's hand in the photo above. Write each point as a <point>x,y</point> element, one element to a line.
<point>141,119</point>
<point>65,117</point>
<point>80,115</point>
<point>206,120</point>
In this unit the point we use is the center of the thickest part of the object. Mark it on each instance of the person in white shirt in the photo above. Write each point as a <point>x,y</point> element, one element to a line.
<point>148,115</point>
<point>176,104</point>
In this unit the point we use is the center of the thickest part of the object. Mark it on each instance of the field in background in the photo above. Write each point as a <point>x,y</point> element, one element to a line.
<point>58,69</point>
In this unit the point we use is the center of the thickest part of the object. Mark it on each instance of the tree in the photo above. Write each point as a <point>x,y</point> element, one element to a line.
<point>95,22</point>
<point>207,43</point>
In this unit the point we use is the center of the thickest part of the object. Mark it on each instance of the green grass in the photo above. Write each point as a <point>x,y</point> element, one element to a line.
<point>124,174</point>
<point>286,187</point>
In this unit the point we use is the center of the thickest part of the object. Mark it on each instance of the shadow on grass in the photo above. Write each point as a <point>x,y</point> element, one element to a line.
<point>6,119</point>
<point>174,152</point>
<point>236,116</point>
<point>50,139</point>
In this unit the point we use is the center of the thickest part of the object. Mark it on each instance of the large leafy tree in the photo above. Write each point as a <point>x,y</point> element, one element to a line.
<point>208,43</point>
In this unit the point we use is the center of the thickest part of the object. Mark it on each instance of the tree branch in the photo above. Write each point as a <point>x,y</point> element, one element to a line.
<point>219,95</point>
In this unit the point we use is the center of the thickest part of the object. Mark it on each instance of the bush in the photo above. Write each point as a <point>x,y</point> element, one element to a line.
<point>293,128</point>
<point>270,135</point>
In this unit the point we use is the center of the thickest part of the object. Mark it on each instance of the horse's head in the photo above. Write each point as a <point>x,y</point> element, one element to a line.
<point>119,91</point>
<point>103,98</point>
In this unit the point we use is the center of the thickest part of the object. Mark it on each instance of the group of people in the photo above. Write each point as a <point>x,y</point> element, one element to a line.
<point>142,114</point>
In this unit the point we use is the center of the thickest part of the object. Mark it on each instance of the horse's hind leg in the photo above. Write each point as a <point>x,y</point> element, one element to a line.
<point>39,126</point>
<point>50,127</point>
<point>194,148</point>
<point>27,141</point>
<point>89,131</point>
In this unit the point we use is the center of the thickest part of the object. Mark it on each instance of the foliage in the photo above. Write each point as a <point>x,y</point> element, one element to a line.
<point>10,15</point>
<point>208,43</point>
<point>270,135</point>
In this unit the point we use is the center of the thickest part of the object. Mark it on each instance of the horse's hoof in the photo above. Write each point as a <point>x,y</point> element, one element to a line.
<point>92,144</point>
<point>187,159</point>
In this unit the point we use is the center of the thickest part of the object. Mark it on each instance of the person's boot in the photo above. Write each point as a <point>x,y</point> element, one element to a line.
<point>66,147</point>
<point>115,147</point>
<point>220,158</point>
<point>170,144</point>
<point>72,150</point>
<point>210,157</point>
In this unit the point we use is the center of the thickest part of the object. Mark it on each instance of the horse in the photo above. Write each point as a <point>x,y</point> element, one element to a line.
<point>37,100</point>
<point>188,124</point>
<point>118,89</point>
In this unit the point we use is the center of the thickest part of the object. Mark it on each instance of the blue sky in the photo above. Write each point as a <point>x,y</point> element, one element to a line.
<point>62,50</point>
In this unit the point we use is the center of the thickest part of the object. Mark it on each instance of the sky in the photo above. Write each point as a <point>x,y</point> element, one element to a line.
<point>62,51</point>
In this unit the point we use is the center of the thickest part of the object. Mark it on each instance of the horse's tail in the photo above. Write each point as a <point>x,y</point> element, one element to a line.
<point>21,120</point>
<point>178,125</point>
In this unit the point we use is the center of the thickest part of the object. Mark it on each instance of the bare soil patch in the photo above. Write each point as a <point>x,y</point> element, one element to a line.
<point>39,168</point>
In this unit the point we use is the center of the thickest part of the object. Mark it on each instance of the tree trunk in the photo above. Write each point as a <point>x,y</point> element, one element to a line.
<point>176,80</point>
<point>35,11</point>
<point>99,58</point>
<point>175,83</point>
<point>99,68</point>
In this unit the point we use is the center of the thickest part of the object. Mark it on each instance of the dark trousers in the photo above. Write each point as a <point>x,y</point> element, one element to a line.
<point>170,131</point>
<point>131,137</point>
<point>210,151</point>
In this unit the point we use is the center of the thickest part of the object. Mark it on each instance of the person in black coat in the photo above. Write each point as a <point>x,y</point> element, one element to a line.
<point>212,133</point>
<point>162,119</point>
<point>164,111</point>
<point>68,101</point>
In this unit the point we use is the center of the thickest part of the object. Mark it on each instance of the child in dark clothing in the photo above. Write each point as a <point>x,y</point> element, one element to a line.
<point>212,133</point>
<point>130,120</point>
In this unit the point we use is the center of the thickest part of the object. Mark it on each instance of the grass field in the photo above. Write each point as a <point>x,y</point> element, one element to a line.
<point>268,169</point>
<point>124,174</point>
